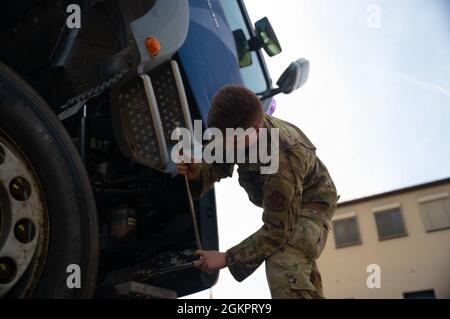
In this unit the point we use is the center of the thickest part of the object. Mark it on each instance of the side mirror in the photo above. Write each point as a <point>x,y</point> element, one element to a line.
<point>243,49</point>
<point>265,37</point>
<point>292,78</point>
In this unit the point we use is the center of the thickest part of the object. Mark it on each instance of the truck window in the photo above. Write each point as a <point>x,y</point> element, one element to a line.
<point>253,75</point>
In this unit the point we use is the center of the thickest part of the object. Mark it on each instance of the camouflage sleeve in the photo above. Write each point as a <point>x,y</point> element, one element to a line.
<point>210,174</point>
<point>282,197</point>
<point>278,202</point>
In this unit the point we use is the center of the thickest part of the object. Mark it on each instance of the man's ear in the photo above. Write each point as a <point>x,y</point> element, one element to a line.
<point>259,126</point>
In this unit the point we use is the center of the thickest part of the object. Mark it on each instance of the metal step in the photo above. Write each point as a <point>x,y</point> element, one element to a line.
<point>171,98</point>
<point>137,290</point>
<point>140,124</point>
<point>150,108</point>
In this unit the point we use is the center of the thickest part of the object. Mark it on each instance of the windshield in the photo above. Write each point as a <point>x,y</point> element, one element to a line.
<point>252,75</point>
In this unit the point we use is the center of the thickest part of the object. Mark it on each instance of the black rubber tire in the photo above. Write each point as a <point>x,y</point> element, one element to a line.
<point>73,238</point>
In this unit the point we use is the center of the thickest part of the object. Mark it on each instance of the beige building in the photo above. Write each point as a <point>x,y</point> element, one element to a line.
<point>405,232</point>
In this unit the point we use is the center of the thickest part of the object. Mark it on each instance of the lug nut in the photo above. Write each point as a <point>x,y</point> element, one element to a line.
<point>8,270</point>
<point>24,231</point>
<point>20,189</point>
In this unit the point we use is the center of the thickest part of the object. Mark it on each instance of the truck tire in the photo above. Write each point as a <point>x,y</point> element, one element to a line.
<point>49,247</point>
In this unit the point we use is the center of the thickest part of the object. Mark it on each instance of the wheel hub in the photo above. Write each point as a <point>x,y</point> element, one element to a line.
<point>23,217</point>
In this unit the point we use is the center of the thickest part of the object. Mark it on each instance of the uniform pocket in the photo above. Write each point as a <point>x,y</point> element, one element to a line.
<point>309,237</point>
<point>300,280</point>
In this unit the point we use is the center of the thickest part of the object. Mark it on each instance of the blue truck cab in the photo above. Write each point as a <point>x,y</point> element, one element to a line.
<point>209,55</point>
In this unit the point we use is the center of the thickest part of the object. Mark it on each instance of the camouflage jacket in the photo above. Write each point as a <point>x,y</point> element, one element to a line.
<point>302,186</point>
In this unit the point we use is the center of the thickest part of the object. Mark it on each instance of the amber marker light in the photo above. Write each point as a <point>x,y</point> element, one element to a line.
<point>153,46</point>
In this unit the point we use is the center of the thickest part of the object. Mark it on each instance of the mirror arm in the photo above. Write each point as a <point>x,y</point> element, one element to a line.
<point>255,43</point>
<point>272,93</point>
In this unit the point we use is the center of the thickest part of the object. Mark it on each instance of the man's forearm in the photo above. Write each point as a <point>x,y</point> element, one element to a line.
<point>244,258</point>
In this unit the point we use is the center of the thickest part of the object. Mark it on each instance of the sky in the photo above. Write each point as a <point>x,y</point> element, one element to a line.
<point>376,105</point>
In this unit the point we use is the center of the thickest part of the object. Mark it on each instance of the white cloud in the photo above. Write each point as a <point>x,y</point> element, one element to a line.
<point>436,88</point>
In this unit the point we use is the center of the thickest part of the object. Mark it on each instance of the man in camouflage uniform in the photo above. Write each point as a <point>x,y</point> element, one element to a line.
<point>298,201</point>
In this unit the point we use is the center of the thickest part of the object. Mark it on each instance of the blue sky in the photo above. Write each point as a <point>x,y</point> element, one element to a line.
<point>377,103</point>
<point>388,89</point>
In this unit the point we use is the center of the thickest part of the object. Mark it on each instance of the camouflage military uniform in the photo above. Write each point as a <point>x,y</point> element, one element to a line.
<point>298,202</point>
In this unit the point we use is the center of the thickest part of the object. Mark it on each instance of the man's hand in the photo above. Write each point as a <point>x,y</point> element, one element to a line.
<point>192,170</point>
<point>210,261</point>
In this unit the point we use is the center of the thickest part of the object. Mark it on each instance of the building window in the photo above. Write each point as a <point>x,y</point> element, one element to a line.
<point>435,214</point>
<point>390,224</point>
<point>346,232</point>
<point>425,294</point>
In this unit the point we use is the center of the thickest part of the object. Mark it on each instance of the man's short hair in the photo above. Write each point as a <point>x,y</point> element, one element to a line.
<point>235,107</point>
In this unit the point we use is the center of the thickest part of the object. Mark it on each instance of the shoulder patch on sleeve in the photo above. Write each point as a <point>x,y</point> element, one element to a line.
<point>276,201</point>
